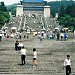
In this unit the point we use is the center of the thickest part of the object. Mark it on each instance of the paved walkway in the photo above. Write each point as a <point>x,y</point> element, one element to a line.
<point>51,55</point>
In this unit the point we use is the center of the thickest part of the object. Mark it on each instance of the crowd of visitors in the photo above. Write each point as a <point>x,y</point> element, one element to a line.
<point>19,46</point>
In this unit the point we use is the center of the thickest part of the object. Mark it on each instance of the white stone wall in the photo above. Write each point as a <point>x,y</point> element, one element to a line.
<point>19,10</point>
<point>46,11</point>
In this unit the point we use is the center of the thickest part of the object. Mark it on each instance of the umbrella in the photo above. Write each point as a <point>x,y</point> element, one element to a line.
<point>57,28</point>
<point>14,28</point>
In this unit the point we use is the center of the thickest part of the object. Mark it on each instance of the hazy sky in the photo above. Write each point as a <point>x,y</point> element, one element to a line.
<point>9,2</point>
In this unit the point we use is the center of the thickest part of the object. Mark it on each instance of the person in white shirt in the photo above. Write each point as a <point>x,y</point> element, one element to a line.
<point>67,64</point>
<point>0,36</point>
<point>20,45</point>
<point>23,55</point>
<point>34,57</point>
<point>61,36</point>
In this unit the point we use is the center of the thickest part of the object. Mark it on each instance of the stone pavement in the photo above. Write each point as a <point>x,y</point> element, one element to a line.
<point>51,55</point>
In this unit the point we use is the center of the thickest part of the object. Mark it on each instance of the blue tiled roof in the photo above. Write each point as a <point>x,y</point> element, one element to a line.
<point>32,0</point>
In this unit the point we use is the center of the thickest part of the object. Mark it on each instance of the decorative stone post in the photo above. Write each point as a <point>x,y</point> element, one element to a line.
<point>46,11</point>
<point>56,16</point>
<point>19,10</point>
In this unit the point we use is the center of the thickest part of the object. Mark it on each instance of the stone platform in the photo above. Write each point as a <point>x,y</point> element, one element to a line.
<point>51,55</point>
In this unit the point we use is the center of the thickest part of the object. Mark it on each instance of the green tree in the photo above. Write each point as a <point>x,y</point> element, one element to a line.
<point>67,16</point>
<point>70,10</point>
<point>2,7</point>
<point>12,8</point>
<point>67,21</point>
<point>62,12</point>
<point>4,15</point>
<point>2,20</point>
<point>13,11</point>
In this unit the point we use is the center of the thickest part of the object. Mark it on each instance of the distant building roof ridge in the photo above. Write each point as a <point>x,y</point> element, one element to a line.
<point>31,0</point>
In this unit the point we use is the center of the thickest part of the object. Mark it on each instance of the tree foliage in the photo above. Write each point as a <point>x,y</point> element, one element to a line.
<point>4,15</point>
<point>66,10</point>
<point>70,10</point>
<point>67,19</point>
<point>2,7</point>
<point>12,8</point>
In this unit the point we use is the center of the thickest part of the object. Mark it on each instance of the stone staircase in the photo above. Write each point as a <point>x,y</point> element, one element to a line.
<point>50,21</point>
<point>33,22</point>
<point>51,55</point>
<point>36,25</point>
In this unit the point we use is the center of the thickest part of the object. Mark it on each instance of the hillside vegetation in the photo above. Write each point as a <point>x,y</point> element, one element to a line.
<point>4,15</point>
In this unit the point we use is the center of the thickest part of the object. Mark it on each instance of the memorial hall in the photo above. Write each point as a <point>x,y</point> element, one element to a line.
<point>28,7</point>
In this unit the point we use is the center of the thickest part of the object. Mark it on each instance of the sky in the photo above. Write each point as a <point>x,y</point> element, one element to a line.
<point>9,2</point>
